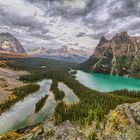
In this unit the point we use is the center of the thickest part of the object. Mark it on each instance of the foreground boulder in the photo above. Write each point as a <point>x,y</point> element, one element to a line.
<point>123,123</point>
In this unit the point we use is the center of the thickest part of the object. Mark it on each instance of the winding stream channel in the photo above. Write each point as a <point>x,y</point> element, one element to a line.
<point>23,113</point>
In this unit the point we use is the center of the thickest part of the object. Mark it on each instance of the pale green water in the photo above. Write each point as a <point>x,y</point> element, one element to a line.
<point>105,83</point>
<point>23,112</point>
<point>70,97</point>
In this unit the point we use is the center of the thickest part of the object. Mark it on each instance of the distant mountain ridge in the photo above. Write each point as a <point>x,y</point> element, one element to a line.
<point>8,43</point>
<point>117,56</point>
<point>11,47</point>
<point>73,58</point>
<point>64,53</point>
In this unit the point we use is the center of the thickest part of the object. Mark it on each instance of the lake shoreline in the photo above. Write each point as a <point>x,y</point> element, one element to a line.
<point>107,83</point>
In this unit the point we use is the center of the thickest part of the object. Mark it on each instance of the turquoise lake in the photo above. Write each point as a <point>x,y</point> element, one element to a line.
<point>106,83</point>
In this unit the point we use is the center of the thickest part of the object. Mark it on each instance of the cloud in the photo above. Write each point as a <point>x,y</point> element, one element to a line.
<point>52,23</point>
<point>67,7</point>
<point>113,16</point>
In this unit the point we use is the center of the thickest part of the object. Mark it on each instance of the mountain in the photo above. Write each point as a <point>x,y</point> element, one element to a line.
<point>72,58</point>
<point>117,56</point>
<point>8,43</point>
<point>64,53</point>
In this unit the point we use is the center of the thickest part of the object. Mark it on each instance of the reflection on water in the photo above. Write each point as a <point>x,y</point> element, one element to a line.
<point>70,97</point>
<point>22,113</point>
<point>106,83</point>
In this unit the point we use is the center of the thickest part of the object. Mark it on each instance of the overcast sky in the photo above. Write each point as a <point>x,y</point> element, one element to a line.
<point>75,23</point>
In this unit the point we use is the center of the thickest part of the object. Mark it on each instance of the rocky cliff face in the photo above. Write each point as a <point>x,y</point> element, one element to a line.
<point>118,56</point>
<point>8,43</point>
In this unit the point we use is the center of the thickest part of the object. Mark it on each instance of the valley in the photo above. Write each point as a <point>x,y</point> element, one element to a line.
<point>69,69</point>
<point>75,100</point>
<point>91,107</point>
<point>31,116</point>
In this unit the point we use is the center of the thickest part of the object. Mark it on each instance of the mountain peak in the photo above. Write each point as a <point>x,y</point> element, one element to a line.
<point>121,35</point>
<point>102,41</point>
<point>9,43</point>
<point>124,33</point>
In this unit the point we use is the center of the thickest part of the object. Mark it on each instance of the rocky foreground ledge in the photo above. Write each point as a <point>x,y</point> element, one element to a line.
<point>123,123</point>
<point>46,131</point>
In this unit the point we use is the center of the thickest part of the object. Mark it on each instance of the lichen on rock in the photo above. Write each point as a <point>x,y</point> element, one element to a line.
<point>46,131</point>
<point>123,123</point>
